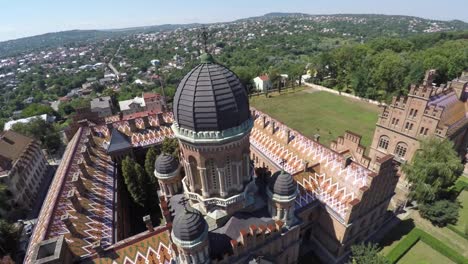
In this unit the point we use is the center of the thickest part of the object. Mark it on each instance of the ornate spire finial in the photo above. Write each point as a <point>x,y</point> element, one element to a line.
<point>283,161</point>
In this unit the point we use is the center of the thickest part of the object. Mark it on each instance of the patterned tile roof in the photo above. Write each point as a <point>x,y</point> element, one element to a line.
<point>79,206</point>
<point>147,247</point>
<point>331,183</point>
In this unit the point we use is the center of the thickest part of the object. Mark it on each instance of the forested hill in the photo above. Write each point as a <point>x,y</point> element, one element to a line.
<point>73,37</point>
<point>367,26</point>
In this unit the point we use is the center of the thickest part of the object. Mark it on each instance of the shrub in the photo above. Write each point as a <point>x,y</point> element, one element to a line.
<point>440,213</point>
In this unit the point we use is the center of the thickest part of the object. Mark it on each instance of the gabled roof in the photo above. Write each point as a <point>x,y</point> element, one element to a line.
<point>13,144</point>
<point>118,141</point>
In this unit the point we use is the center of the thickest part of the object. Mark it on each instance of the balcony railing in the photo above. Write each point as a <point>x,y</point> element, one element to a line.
<point>224,202</point>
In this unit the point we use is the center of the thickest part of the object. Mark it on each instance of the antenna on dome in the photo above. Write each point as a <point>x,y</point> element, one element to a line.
<point>183,201</point>
<point>204,37</point>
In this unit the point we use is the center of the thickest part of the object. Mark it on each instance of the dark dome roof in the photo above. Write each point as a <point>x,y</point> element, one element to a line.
<point>210,98</point>
<point>189,225</point>
<point>282,183</point>
<point>165,164</point>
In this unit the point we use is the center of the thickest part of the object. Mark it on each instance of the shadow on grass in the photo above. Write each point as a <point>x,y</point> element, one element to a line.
<point>397,232</point>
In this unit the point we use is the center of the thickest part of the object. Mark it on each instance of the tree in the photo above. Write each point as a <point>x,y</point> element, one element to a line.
<point>150,158</point>
<point>8,238</point>
<point>433,170</point>
<point>171,147</point>
<point>142,182</point>
<point>131,181</point>
<point>440,213</point>
<point>4,198</point>
<point>37,109</point>
<point>42,131</point>
<point>366,253</point>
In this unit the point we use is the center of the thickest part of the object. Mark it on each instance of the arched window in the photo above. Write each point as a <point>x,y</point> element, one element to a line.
<point>383,142</point>
<point>400,150</point>
<point>195,172</point>
<point>211,173</point>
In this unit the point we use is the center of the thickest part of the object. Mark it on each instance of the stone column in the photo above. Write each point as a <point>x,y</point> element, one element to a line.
<point>205,186</point>
<point>222,182</point>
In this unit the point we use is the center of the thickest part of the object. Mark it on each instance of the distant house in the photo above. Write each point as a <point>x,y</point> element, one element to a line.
<point>102,106</point>
<point>132,106</point>
<point>45,117</point>
<point>262,83</point>
<point>150,102</point>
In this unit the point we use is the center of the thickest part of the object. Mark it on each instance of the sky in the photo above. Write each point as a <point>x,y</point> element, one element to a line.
<point>21,18</point>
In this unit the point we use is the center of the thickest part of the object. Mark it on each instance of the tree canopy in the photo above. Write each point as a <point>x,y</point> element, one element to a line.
<point>440,213</point>
<point>42,131</point>
<point>171,147</point>
<point>366,253</point>
<point>434,169</point>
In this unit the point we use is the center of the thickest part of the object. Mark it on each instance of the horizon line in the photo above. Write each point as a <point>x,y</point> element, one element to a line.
<point>230,21</point>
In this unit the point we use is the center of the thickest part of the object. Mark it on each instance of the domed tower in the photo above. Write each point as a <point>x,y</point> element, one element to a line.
<point>167,171</point>
<point>282,192</point>
<point>190,236</point>
<point>213,123</point>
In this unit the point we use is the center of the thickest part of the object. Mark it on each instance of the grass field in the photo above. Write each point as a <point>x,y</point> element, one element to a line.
<point>422,253</point>
<point>321,113</point>
<point>463,213</point>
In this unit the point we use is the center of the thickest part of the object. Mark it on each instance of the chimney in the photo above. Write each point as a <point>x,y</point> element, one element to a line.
<point>160,119</point>
<point>89,147</point>
<point>346,161</point>
<point>75,201</point>
<point>273,124</point>
<point>86,157</point>
<point>78,183</point>
<point>264,121</point>
<point>148,223</point>
<point>305,163</point>
<point>288,136</point>
<point>109,127</point>
<point>91,139</point>
<point>132,124</point>
<point>83,169</point>
<point>234,247</point>
<point>68,223</point>
<point>97,246</point>
<point>316,137</point>
<point>146,122</point>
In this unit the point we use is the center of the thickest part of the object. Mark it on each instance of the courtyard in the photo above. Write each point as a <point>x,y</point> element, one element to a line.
<point>320,113</point>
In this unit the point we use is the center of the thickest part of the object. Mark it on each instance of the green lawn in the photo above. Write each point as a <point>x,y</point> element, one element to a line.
<point>321,113</point>
<point>422,253</point>
<point>463,217</point>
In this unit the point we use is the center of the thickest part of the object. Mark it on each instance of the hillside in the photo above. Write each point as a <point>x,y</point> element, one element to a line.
<point>364,25</point>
